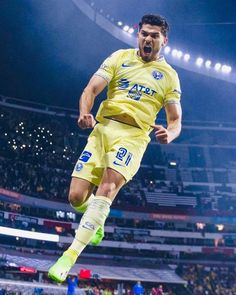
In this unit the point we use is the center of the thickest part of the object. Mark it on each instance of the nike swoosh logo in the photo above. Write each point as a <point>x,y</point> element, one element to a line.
<point>118,164</point>
<point>88,225</point>
<point>125,65</point>
<point>89,228</point>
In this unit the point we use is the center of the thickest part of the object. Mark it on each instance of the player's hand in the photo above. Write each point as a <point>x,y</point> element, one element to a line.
<point>86,121</point>
<point>162,134</point>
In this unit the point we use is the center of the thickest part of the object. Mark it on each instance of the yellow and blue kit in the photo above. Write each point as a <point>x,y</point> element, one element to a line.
<point>137,90</point>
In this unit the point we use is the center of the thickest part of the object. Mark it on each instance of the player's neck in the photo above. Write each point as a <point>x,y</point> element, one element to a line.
<point>157,58</point>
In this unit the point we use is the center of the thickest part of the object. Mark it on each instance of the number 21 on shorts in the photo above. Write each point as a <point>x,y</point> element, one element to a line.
<point>124,156</point>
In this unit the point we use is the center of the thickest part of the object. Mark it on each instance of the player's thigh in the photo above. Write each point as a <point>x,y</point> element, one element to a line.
<point>125,157</point>
<point>90,163</point>
<point>80,190</point>
<point>111,182</point>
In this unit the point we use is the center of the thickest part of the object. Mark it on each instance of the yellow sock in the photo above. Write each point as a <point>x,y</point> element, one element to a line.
<point>94,217</point>
<point>72,254</point>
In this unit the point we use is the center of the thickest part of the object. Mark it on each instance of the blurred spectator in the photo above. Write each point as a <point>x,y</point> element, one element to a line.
<point>159,290</point>
<point>138,289</point>
<point>38,291</point>
<point>72,283</point>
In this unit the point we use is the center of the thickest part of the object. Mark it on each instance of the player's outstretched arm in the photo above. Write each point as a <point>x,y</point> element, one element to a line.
<point>94,87</point>
<point>174,117</point>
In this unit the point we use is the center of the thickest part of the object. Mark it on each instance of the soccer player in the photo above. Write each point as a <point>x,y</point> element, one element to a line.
<point>140,82</point>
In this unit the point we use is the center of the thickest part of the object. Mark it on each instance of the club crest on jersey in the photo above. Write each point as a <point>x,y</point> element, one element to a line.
<point>79,167</point>
<point>157,75</point>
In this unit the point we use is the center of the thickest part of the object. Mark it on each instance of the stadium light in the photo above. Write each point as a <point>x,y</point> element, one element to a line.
<point>200,225</point>
<point>217,66</point>
<point>199,61</point>
<point>186,57</point>
<point>126,28</point>
<point>172,164</point>
<point>174,52</point>
<point>220,227</point>
<point>226,69</point>
<point>179,54</point>
<point>131,30</point>
<point>208,64</point>
<point>167,50</point>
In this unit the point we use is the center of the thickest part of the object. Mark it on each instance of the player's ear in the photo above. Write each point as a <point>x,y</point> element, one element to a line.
<point>165,42</point>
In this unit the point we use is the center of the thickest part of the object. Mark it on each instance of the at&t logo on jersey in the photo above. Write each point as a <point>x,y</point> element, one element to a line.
<point>135,92</point>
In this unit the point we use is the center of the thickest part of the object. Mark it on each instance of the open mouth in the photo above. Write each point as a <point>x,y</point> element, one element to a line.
<point>147,49</point>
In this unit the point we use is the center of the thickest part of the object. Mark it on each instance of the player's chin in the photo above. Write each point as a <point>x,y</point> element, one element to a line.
<point>147,56</point>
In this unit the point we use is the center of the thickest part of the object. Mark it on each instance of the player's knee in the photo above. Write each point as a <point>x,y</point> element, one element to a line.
<point>75,198</point>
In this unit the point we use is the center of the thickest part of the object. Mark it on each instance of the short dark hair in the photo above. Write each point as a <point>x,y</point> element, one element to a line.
<point>155,20</point>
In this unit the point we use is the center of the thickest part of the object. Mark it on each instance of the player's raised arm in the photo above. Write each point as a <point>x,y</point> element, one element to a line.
<point>174,117</point>
<point>94,87</point>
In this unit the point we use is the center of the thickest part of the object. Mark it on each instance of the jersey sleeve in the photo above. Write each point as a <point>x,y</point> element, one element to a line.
<point>108,67</point>
<point>173,93</point>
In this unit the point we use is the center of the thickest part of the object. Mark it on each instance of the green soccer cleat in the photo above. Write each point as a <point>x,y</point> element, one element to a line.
<point>98,236</point>
<point>59,271</point>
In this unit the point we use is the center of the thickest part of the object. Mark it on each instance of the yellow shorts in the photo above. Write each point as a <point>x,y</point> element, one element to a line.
<point>115,145</point>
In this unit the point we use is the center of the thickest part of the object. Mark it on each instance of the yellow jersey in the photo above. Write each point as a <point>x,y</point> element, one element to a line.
<point>137,89</point>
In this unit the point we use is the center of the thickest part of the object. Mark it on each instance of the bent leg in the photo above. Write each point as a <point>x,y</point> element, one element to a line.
<point>98,210</point>
<point>80,194</point>
<point>93,219</point>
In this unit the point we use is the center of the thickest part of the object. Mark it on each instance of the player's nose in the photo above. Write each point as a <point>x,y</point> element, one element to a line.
<point>148,39</point>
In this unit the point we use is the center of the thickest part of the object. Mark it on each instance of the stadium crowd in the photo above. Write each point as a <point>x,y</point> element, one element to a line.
<point>37,154</point>
<point>209,280</point>
<point>201,279</point>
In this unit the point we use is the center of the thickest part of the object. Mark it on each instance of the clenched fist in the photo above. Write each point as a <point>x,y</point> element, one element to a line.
<point>162,134</point>
<point>86,121</point>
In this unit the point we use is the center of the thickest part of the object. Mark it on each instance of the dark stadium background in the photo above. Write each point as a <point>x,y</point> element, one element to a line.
<point>48,51</point>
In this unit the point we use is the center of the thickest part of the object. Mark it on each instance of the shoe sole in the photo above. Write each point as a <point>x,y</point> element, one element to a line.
<point>54,278</point>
